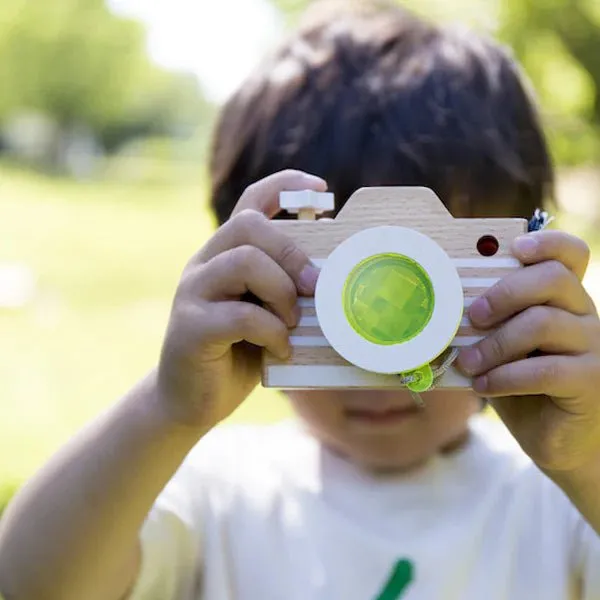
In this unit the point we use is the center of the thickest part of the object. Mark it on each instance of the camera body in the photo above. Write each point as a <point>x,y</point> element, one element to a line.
<point>397,272</point>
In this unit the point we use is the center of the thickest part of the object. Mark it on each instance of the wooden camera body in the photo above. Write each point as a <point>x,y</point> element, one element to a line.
<point>464,256</point>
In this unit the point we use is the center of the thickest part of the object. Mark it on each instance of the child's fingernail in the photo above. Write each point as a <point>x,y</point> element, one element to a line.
<point>480,384</point>
<point>526,245</point>
<point>285,352</point>
<point>314,180</point>
<point>308,279</point>
<point>480,310</point>
<point>469,360</point>
<point>293,317</point>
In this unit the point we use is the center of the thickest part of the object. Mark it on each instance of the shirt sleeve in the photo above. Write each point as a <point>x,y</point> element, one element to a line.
<point>588,559</point>
<point>580,541</point>
<point>171,541</point>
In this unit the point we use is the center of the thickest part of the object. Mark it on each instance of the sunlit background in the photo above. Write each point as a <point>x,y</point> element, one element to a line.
<point>106,111</point>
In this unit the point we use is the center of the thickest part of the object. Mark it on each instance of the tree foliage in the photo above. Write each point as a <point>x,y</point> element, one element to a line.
<point>72,59</point>
<point>557,42</point>
<point>77,62</point>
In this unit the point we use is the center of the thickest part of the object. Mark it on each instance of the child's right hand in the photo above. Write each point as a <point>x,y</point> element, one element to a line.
<point>210,359</point>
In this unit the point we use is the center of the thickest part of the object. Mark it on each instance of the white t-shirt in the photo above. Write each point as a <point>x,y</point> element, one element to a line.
<point>266,513</point>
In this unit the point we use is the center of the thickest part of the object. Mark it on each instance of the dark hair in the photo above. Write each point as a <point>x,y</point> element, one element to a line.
<point>377,96</point>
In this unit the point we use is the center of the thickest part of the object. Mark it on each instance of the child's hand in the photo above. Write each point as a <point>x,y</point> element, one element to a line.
<point>541,368</point>
<point>211,355</point>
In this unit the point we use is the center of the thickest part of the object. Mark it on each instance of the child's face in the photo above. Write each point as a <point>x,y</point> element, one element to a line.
<point>386,430</point>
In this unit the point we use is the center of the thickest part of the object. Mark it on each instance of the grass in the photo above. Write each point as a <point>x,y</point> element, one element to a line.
<point>107,258</point>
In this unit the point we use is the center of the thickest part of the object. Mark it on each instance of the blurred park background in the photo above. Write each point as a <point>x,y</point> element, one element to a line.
<point>106,110</point>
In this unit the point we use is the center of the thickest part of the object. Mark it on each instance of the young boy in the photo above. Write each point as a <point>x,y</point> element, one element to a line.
<point>364,496</point>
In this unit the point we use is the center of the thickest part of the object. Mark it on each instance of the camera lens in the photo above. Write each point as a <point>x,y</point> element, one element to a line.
<point>388,299</point>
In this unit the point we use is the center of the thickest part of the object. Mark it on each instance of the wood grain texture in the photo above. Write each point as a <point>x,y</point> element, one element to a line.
<point>313,356</point>
<point>415,208</point>
<point>339,377</point>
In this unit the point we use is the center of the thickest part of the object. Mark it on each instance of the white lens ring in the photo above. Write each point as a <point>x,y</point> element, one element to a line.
<point>424,347</point>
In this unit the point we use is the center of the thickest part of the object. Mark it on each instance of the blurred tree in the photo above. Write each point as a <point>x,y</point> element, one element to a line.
<point>167,104</point>
<point>88,69</point>
<point>557,42</point>
<point>72,59</point>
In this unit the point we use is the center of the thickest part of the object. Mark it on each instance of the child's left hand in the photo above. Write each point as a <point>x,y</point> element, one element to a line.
<point>541,367</point>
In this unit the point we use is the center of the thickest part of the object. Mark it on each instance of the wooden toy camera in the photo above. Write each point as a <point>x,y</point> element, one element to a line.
<point>397,271</point>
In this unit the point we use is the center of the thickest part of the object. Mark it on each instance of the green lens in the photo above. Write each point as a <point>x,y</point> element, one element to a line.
<point>388,299</point>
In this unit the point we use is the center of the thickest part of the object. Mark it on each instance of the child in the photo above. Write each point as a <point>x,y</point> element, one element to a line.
<point>364,496</point>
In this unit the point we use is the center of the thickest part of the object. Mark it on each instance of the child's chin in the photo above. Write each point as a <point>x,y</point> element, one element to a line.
<point>385,453</point>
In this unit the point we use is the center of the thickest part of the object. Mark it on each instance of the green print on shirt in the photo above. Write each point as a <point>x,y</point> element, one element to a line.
<point>401,577</point>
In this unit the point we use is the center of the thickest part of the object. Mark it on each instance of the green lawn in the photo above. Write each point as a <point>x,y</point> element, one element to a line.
<point>107,258</point>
